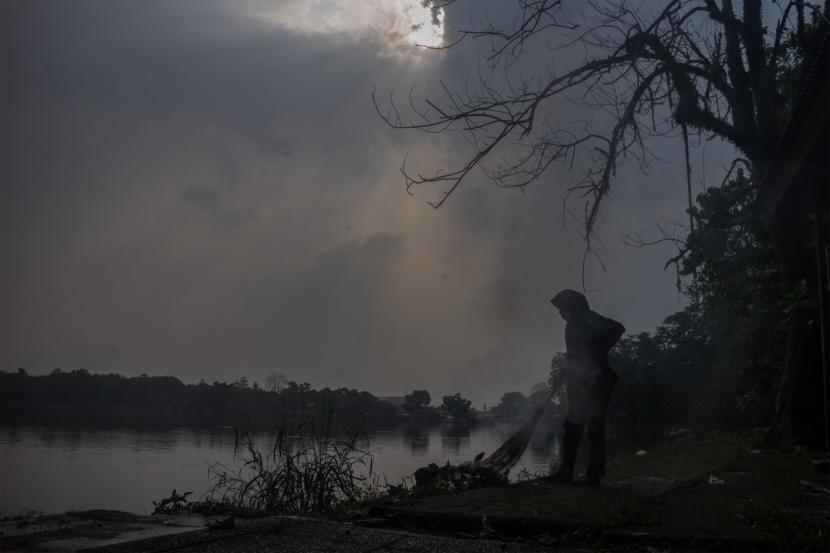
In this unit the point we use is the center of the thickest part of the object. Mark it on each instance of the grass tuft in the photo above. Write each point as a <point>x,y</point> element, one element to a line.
<point>306,471</point>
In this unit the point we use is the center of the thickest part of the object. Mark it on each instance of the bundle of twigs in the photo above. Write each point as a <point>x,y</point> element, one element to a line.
<point>503,459</point>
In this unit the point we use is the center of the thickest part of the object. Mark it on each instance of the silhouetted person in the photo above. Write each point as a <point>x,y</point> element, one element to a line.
<point>588,381</point>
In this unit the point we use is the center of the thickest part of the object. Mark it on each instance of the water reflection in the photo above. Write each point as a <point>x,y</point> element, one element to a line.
<point>455,437</point>
<point>417,438</point>
<point>55,470</point>
<point>545,445</point>
<point>456,430</point>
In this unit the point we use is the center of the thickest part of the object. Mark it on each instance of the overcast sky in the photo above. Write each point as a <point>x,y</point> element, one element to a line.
<point>202,188</point>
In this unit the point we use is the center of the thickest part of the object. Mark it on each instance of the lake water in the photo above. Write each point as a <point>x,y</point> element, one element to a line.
<point>55,470</point>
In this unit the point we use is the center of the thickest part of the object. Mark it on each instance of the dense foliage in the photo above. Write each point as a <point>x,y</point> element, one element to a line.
<point>458,407</point>
<point>417,401</point>
<point>79,397</point>
<point>719,359</point>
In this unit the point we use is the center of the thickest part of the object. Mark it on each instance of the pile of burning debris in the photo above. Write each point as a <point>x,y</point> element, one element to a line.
<point>456,478</point>
<point>481,472</point>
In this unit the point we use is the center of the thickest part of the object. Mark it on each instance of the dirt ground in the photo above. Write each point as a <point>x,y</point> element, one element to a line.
<point>79,530</point>
<point>716,490</point>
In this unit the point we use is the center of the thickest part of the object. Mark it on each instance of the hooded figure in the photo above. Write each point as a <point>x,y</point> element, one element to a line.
<point>588,381</point>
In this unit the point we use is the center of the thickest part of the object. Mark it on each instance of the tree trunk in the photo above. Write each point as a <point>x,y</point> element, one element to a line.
<point>799,403</point>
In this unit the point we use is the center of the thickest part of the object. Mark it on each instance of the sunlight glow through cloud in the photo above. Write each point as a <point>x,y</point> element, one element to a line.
<point>427,24</point>
<point>399,24</point>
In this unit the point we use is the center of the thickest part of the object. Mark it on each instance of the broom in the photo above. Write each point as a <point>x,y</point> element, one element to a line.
<point>503,459</point>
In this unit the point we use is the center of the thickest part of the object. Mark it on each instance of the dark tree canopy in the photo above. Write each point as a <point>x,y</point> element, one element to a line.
<point>457,406</point>
<point>668,68</point>
<point>79,397</point>
<point>513,405</point>
<point>417,400</point>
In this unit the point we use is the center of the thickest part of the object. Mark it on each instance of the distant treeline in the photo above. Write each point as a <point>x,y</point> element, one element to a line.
<point>79,397</point>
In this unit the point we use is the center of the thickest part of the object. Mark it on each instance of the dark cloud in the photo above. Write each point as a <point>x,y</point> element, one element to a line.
<point>188,189</point>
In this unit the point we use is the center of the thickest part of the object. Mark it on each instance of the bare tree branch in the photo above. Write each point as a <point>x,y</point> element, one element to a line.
<point>691,68</point>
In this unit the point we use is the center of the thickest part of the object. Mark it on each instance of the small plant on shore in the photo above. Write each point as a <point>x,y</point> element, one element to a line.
<point>308,471</point>
<point>525,475</point>
<point>176,503</point>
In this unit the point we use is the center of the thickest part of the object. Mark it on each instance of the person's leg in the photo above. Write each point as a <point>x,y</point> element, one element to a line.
<point>570,447</point>
<point>596,437</point>
<point>596,432</point>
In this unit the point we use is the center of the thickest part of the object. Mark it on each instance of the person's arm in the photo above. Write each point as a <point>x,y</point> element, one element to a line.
<point>557,371</point>
<point>615,332</point>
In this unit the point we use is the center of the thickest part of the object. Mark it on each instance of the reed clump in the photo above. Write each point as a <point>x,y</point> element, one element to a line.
<point>309,470</point>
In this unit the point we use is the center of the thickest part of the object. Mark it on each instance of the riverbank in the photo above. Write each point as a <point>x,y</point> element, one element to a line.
<point>716,492</point>
<point>712,492</point>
